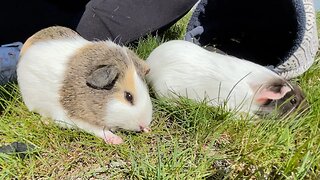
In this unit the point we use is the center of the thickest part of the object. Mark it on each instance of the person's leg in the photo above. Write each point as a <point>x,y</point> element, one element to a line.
<point>127,20</point>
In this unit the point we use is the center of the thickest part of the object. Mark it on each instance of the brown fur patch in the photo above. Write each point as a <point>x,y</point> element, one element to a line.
<point>127,84</point>
<point>141,66</point>
<point>54,32</point>
<point>83,102</point>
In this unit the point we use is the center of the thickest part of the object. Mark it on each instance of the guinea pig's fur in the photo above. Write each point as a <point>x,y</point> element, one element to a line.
<point>181,68</point>
<point>95,86</point>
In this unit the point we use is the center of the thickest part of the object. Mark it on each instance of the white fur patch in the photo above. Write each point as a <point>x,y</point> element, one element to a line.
<point>127,116</point>
<point>41,72</point>
<point>182,68</point>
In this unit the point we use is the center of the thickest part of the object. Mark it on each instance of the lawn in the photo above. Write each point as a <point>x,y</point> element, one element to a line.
<point>188,140</point>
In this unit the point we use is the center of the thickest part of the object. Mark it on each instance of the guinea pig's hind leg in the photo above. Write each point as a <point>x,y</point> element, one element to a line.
<point>111,138</point>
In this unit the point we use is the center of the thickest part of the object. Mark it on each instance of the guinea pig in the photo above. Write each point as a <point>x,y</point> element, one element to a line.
<point>181,68</point>
<point>97,86</point>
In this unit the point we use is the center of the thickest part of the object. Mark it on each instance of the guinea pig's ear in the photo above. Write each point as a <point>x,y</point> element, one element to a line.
<point>141,66</point>
<point>272,92</point>
<point>104,77</point>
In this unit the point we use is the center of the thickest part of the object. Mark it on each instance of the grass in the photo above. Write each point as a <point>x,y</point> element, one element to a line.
<point>188,141</point>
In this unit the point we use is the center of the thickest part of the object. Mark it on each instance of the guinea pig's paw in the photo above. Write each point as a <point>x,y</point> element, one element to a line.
<point>146,130</point>
<point>46,120</point>
<point>111,138</point>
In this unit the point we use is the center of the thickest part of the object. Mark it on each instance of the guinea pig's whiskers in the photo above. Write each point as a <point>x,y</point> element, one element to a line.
<point>229,94</point>
<point>290,86</point>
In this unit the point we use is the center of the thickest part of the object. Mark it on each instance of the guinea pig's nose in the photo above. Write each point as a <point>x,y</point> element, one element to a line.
<point>145,129</point>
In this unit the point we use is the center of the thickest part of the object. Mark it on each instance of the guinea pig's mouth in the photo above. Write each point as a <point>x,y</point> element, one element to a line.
<point>266,108</point>
<point>265,111</point>
<point>272,108</point>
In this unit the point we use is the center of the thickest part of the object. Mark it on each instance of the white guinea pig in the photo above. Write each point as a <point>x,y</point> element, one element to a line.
<point>181,68</point>
<point>95,86</point>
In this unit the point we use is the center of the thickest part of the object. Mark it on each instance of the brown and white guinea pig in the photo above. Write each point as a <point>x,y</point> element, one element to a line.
<point>95,86</point>
<point>181,68</point>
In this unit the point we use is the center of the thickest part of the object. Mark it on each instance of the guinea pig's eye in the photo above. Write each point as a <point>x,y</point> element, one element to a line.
<point>293,101</point>
<point>128,97</point>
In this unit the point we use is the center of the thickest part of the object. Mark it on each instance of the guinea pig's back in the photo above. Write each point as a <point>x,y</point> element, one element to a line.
<point>186,68</point>
<point>41,71</point>
<point>182,68</point>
